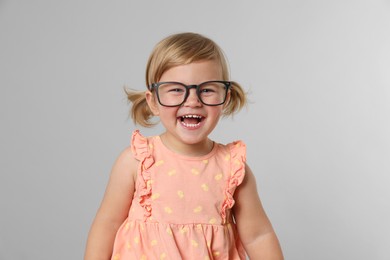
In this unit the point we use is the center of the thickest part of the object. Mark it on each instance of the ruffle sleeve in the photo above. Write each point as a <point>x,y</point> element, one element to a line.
<point>142,151</point>
<point>237,172</point>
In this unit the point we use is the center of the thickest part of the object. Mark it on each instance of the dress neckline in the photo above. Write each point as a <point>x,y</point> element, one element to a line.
<point>160,143</point>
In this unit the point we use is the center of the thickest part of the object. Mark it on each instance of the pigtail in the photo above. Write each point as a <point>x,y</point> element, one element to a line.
<point>140,111</point>
<point>238,99</point>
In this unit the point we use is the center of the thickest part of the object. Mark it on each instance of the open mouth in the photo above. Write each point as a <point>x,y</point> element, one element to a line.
<point>191,121</point>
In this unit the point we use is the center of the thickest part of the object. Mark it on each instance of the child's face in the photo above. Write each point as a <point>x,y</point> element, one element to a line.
<point>183,131</point>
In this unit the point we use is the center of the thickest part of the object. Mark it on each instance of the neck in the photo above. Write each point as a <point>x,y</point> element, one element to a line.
<point>195,149</point>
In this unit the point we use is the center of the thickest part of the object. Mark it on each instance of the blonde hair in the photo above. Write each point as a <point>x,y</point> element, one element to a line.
<point>181,49</point>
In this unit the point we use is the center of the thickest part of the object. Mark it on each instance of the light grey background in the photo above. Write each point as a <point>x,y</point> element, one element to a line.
<point>317,128</point>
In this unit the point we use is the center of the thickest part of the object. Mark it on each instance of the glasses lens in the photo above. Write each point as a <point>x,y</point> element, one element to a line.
<point>171,94</point>
<point>212,93</point>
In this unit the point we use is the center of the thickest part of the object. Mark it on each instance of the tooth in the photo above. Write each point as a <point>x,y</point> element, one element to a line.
<point>192,116</point>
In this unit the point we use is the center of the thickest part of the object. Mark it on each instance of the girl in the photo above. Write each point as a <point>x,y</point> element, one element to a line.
<point>180,195</point>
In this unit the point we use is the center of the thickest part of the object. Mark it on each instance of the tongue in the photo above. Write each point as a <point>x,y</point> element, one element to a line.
<point>191,120</point>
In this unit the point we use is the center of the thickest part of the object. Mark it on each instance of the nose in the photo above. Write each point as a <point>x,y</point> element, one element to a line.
<point>192,99</point>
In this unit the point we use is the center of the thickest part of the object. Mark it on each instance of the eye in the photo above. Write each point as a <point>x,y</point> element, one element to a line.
<point>211,88</point>
<point>177,90</point>
<point>172,88</point>
<point>207,90</point>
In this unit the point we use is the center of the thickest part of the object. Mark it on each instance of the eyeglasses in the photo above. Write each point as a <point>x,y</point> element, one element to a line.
<point>173,94</point>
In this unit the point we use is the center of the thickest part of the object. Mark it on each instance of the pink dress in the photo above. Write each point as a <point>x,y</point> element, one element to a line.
<point>181,208</point>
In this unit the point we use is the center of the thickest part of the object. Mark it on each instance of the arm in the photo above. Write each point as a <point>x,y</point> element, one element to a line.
<point>254,228</point>
<point>114,207</point>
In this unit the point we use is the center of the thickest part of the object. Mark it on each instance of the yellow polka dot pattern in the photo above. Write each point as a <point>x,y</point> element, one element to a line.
<point>198,209</point>
<point>195,171</point>
<point>180,193</point>
<point>180,202</point>
<point>168,210</point>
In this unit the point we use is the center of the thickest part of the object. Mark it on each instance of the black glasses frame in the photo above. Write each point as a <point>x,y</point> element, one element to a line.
<point>227,84</point>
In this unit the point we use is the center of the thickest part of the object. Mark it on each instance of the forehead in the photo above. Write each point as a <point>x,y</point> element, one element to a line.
<point>194,73</point>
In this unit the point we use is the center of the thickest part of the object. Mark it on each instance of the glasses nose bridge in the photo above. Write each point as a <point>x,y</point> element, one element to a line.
<point>189,87</point>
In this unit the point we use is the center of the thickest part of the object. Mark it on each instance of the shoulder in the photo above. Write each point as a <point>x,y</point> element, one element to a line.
<point>234,145</point>
<point>126,156</point>
<point>126,165</point>
<point>235,151</point>
<point>141,146</point>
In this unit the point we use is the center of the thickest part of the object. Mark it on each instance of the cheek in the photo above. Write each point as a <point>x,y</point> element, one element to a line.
<point>216,113</point>
<point>167,113</point>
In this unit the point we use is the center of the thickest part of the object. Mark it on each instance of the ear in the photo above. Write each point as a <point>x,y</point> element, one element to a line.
<point>152,103</point>
<point>227,99</point>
